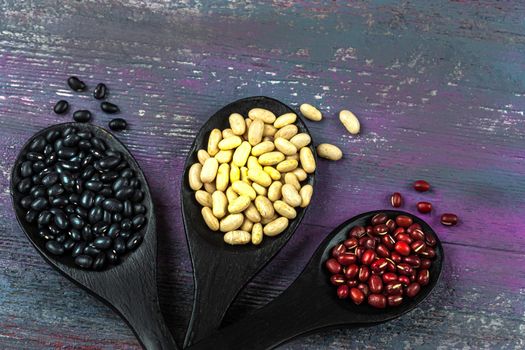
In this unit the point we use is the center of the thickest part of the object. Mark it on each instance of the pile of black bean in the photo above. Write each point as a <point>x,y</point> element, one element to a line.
<point>84,197</point>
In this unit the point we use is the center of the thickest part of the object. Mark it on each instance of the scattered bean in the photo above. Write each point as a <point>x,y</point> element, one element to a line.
<point>328,151</point>
<point>310,112</point>
<point>61,107</point>
<point>350,121</point>
<point>109,107</point>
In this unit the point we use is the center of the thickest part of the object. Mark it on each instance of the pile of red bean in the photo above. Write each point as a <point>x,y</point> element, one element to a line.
<point>382,263</point>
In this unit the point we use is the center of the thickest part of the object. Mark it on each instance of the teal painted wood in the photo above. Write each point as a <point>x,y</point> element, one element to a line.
<point>439,88</point>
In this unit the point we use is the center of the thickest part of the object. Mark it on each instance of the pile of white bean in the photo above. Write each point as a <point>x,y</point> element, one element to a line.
<point>251,177</point>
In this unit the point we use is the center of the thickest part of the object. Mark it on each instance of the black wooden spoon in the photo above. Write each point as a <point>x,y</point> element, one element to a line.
<point>220,270</point>
<point>130,287</point>
<point>310,303</point>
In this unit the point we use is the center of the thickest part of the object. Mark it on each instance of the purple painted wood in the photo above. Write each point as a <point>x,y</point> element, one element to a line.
<point>439,88</point>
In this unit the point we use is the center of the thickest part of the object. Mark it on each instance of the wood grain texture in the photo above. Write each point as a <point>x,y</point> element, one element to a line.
<point>439,88</point>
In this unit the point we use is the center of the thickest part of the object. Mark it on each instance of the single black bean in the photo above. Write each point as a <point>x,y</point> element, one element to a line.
<point>98,144</point>
<point>76,221</point>
<point>102,242</point>
<point>88,159</point>
<point>82,212</point>
<point>67,180</point>
<point>100,91</point>
<point>78,249</point>
<point>58,144</point>
<point>70,166</point>
<point>38,166</point>
<point>125,234</point>
<point>124,193</point>
<point>87,173</point>
<point>61,238</point>
<point>125,224</point>
<point>46,171</point>
<point>34,156</point>
<point>61,107</point>
<point>112,257</point>
<point>55,231</point>
<point>118,124</point>
<point>69,130</point>
<point>26,201</point>
<point>51,159</point>
<point>55,190</point>
<point>44,218</point>
<point>74,198</point>
<point>91,250</point>
<point>52,135</point>
<point>116,217</point>
<point>100,228</point>
<point>106,217</point>
<point>122,165</point>
<point>139,209</point>
<point>99,199</point>
<point>138,221</point>
<point>26,168</point>
<point>84,261</point>
<point>106,191</point>
<point>87,233</point>
<point>36,179</point>
<point>96,153</point>
<point>61,220</point>
<point>113,230</point>
<point>109,176</point>
<point>119,183</point>
<point>86,135</point>
<point>68,244</point>
<point>112,153</point>
<point>100,262</point>
<point>38,191</point>
<point>119,245</point>
<point>109,162</point>
<point>75,234</point>
<point>84,145</point>
<point>78,186</point>
<point>76,84</point>
<point>134,241</point>
<point>71,140</point>
<point>39,204</point>
<point>44,234</point>
<point>112,205</point>
<point>82,116</point>
<point>48,149</point>
<point>95,215</point>
<point>109,107</point>
<point>38,144</point>
<point>54,248</point>
<point>50,179</point>
<point>86,199</point>
<point>93,185</point>
<point>127,173</point>
<point>66,152</point>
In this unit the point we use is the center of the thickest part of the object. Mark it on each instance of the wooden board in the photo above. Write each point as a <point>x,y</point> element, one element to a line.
<point>439,88</point>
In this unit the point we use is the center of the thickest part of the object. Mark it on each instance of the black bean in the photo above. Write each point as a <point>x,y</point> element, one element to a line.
<point>74,198</point>
<point>87,199</point>
<point>118,124</point>
<point>44,218</point>
<point>44,234</point>
<point>125,234</point>
<point>98,144</point>
<point>106,217</point>
<point>109,162</point>
<point>68,244</point>
<point>69,209</point>
<point>36,179</point>
<point>67,180</point>
<point>38,144</point>
<point>26,201</point>
<point>76,221</point>
<point>69,130</point>
<point>109,107</point>
<point>61,220</point>
<point>112,257</point>
<point>119,245</point>
<point>100,228</point>
<point>55,190</point>
<point>124,193</point>
<point>52,135</point>
<point>134,183</point>
<point>61,107</point>
<point>82,116</point>
<point>38,191</point>
<point>61,238</point>
<point>100,91</point>
<point>127,173</point>
<point>34,156</point>
<point>71,140</point>
<point>112,205</point>
<point>84,261</point>
<point>54,247</point>
<point>102,242</point>
<point>26,168</point>
<point>51,159</point>
<point>99,199</point>
<point>106,191</point>
<point>46,171</point>
<point>78,249</point>
<point>134,241</point>
<point>75,234</point>
<point>70,166</point>
<point>91,250</point>
<point>38,166</point>
<point>48,150</point>
<point>87,173</point>
<point>93,185</point>
<point>84,145</point>
<point>76,84</point>
<point>66,152</point>
<point>82,212</point>
<point>55,231</point>
<point>95,215</point>
<point>39,204</point>
<point>116,217</point>
<point>100,262</point>
<point>138,221</point>
<point>110,176</point>
<point>139,209</point>
<point>87,233</point>
<point>96,153</point>
<point>119,183</point>
<point>113,231</point>
<point>125,224</point>
<point>84,134</point>
<point>50,179</point>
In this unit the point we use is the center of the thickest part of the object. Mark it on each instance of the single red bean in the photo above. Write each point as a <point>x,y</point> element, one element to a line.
<point>392,288</point>
<point>351,283</point>
<point>412,260</point>
<point>370,230</point>
<point>337,279</point>
<point>370,243</point>
<point>342,291</point>
<point>396,200</point>
<point>426,263</point>
<point>417,235</point>
<point>428,252</point>
<point>388,241</point>
<point>368,257</point>
<point>449,219</point>
<point>338,250</point>
<point>391,224</point>
<point>378,219</point>
<point>375,283</point>
<point>350,243</point>
<point>359,251</point>
<point>418,246</point>
<point>423,277</point>
<point>363,287</point>
<point>379,265</point>
<point>382,251</point>
<point>364,273</point>
<point>430,239</point>
<point>398,231</point>
<point>395,300</point>
<point>421,186</point>
<point>377,300</point>
<point>351,271</point>
<point>424,207</point>
<point>404,280</point>
<point>357,232</point>
<point>357,295</point>
<point>402,248</point>
<point>380,229</point>
<point>404,237</point>
<point>395,257</point>
<point>403,221</point>
<point>404,269</point>
<point>333,266</point>
<point>413,227</point>
<point>413,289</point>
<point>389,277</point>
<point>347,258</point>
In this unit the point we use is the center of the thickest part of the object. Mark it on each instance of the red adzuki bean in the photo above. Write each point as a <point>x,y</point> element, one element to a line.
<point>351,243</point>
<point>378,219</point>
<point>417,235</point>
<point>375,283</point>
<point>380,229</point>
<point>423,277</point>
<point>424,207</point>
<point>364,273</point>
<point>402,248</point>
<point>338,250</point>
<point>389,277</point>
<point>333,266</point>
<point>351,283</point>
<point>404,280</point>
<point>368,256</point>
<point>342,291</point>
<point>357,295</point>
<point>395,300</point>
<point>382,251</point>
<point>413,227</point>
<point>449,219</point>
<point>337,279</point>
<point>403,221</point>
<point>351,271</point>
<point>377,301</point>
<point>421,186</point>
<point>347,258</point>
<point>413,289</point>
<point>357,232</point>
<point>396,200</point>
